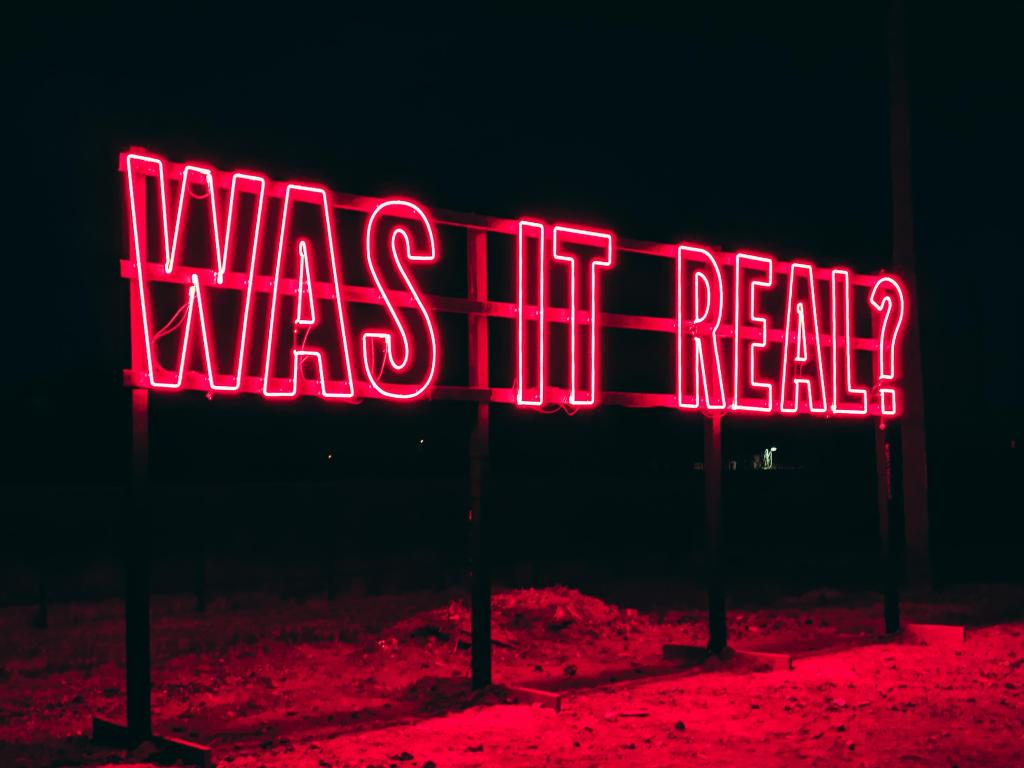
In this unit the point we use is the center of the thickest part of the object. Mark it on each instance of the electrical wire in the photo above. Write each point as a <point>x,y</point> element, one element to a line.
<point>195,196</point>
<point>176,320</point>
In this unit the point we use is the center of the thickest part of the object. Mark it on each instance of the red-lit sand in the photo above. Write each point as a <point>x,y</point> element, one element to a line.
<point>275,683</point>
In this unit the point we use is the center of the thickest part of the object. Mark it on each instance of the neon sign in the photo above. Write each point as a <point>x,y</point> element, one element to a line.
<point>239,284</point>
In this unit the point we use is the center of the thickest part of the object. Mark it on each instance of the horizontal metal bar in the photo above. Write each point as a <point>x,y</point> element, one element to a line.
<point>451,304</point>
<point>109,733</point>
<point>253,385</point>
<point>197,382</point>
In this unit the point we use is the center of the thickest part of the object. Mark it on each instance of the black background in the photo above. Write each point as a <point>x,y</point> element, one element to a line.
<point>758,128</point>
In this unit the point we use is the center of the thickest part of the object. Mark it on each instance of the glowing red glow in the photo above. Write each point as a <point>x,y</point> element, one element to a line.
<point>530,379</point>
<point>222,251</point>
<point>697,331</point>
<point>745,352</point>
<point>846,398</point>
<point>809,375</point>
<point>200,278</point>
<point>305,313</point>
<point>304,322</point>
<point>888,299</point>
<point>583,332</point>
<point>401,250</point>
<point>592,247</point>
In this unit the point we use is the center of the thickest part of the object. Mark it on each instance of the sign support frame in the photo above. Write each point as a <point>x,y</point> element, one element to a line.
<point>479,309</point>
<point>479,461</point>
<point>138,726</point>
<point>890,558</point>
<point>717,635</point>
<point>137,577</point>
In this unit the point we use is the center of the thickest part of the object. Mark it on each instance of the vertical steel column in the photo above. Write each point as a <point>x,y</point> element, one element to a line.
<point>137,649</point>
<point>717,639</point>
<point>138,684</point>
<point>479,459</point>
<point>890,561</point>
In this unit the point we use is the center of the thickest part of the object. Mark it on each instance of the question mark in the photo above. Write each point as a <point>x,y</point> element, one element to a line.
<point>887,297</point>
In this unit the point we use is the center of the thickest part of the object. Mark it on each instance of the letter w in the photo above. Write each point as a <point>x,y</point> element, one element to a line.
<point>223,252</point>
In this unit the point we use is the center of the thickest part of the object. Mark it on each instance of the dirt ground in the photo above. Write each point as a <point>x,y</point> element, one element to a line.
<point>381,681</point>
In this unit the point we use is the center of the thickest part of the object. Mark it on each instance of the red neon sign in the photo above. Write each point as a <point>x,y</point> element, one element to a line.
<point>401,250</point>
<point>327,353</point>
<point>697,341</point>
<point>531,330</point>
<point>746,382</point>
<point>239,284</point>
<point>846,398</point>
<point>221,248</point>
<point>887,297</point>
<point>802,365</point>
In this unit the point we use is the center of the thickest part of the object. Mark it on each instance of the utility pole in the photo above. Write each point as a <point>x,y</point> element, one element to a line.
<point>912,437</point>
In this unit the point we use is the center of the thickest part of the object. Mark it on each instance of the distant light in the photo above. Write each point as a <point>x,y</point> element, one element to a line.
<point>774,449</point>
<point>421,441</point>
<point>330,456</point>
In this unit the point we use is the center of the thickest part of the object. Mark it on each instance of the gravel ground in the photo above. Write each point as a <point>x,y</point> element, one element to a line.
<point>381,681</point>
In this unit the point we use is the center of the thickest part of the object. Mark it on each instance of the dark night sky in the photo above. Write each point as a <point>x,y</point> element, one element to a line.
<point>765,129</point>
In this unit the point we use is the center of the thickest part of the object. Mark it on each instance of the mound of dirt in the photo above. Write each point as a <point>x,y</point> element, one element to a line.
<point>522,617</point>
